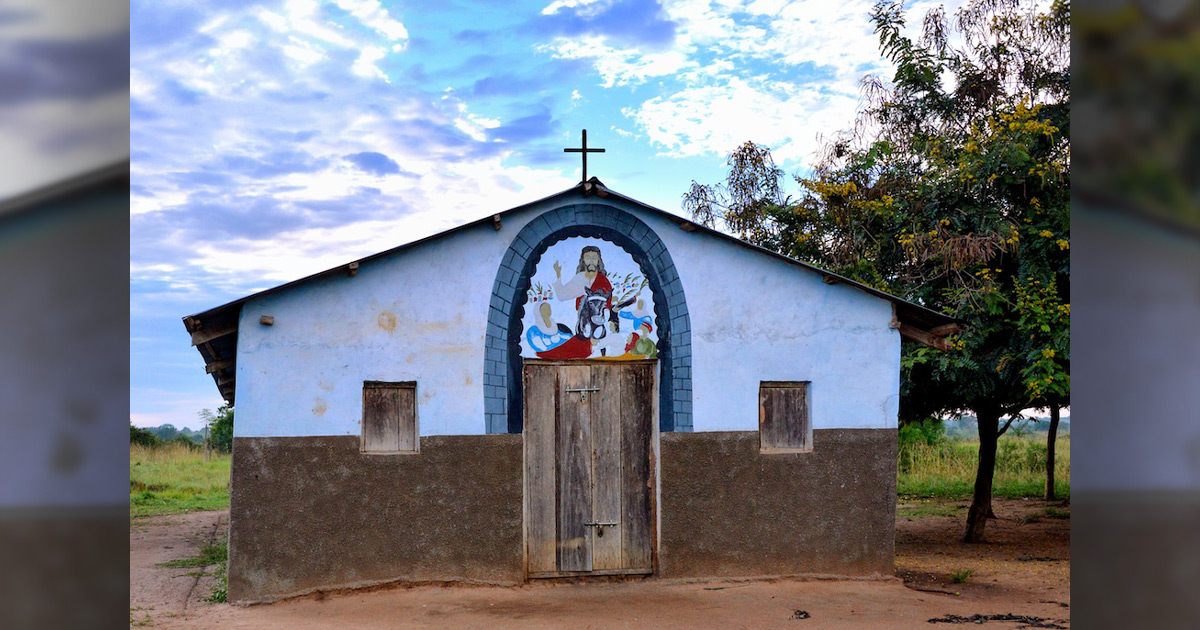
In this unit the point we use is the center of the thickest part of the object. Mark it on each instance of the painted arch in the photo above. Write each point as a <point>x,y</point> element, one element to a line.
<point>503,403</point>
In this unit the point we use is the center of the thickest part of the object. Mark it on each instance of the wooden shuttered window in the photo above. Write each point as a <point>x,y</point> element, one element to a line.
<point>784,424</point>
<point>389,417</point>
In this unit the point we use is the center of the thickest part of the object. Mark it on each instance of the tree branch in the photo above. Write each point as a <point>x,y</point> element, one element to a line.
<point>1007,424</point>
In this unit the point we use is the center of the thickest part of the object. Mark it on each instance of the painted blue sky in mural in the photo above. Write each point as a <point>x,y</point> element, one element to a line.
<point>274,139</point>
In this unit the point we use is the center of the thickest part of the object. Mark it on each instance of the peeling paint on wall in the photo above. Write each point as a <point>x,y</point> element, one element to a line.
<point>387,321</point>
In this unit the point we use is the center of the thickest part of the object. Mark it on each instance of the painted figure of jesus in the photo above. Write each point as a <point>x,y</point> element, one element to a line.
<point>592,293</point>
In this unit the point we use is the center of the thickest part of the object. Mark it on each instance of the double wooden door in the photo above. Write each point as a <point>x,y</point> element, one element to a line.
<point>589,467</point>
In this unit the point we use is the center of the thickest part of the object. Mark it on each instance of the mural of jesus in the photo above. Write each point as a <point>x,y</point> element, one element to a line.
<point>592,293</point>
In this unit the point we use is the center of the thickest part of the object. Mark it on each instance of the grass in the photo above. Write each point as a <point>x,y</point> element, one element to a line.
<point>139,616</point>
<point>945,468</point>
<point>216,554</point>
<point>209,554</point>
<point>927,508</point>
<point>1054,512</point>
<point>221,587</point>
<point>174,478</point>
<point>961,576</point>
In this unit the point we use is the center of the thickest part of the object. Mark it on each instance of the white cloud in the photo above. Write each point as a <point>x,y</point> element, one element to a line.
<point>718,117</point>
<point>619,66</point>
<point>306,35</point>
<point>583,5</point>
<point>449,196</point>
<point>307,54</point>
<point>474,126</point>
<point>372,14</point>
<point>770,71</point>
<point>365,66</point>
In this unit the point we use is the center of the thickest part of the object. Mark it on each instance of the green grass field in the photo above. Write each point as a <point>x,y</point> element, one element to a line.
<point>174,478</point>
<point>946,468</point>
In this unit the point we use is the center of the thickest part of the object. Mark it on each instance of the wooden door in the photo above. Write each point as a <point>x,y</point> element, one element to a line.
<point>589,467</point>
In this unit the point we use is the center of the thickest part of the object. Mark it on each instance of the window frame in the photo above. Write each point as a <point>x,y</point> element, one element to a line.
<point>416,425</point>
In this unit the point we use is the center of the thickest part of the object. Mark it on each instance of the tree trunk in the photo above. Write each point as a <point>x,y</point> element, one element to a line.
<point>1050,438</point>
<point>981,501</point>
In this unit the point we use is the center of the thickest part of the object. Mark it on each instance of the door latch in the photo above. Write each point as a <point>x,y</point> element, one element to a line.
<point>583,392</point>
<point>600,527</point>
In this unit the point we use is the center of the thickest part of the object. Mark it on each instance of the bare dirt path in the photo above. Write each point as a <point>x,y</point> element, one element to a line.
<point>158,593</point>
<point>1025,571</point>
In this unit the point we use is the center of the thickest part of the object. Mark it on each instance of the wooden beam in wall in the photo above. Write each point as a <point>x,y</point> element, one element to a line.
<point>206,334</point>
<point>218,365</point>
<point>945,330</point>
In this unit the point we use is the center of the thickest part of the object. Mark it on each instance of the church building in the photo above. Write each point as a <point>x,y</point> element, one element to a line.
<point>580,386</point>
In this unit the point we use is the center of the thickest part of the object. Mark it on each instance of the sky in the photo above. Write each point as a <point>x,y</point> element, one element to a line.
<point>63,99</point>
<point>272,140</point>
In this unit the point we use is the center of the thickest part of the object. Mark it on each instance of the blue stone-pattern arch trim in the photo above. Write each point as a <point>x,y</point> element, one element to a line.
<point>503,402</point>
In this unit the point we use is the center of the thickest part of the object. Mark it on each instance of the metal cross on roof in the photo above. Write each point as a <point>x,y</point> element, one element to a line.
<point>584,150</point>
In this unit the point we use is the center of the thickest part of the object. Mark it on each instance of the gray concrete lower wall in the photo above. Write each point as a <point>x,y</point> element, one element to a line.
<point>314,512</point>
<point>728,510</point>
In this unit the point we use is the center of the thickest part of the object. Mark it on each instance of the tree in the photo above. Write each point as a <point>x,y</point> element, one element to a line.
<point>952,191</point>
<point>220,428</point>
<point>1051,435</point>
<point>166,432</point>
<point>183,440</point>
<point>144,437</point>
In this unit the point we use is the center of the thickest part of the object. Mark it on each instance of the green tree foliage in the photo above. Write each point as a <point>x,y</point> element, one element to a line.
<point>220,428</point>
<point>183,440</point>
<point>166,432</point>
<point>952,191</point>
<point>1138,73</point>
<point>144,437</point>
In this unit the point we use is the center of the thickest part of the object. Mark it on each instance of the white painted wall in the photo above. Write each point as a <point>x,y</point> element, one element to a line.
<point>753,318</point>
<point>758,318</point>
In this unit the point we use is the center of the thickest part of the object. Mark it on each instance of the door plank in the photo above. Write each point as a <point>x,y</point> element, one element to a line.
<point>574,477</point>
<point>783,416</point>
<point>541,387</point>
<point>637,416</point>
<point>606,467</point>
<point>381,410</point>
<point>406,419</point>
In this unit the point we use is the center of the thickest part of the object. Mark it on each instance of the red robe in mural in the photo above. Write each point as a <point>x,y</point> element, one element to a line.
<point>579,346</point>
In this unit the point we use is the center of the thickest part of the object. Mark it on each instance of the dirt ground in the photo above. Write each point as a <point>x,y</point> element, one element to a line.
<point>1020,579</point>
